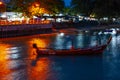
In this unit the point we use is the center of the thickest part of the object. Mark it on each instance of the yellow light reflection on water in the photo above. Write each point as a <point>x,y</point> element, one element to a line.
<point>40,70</point>
<point>3,60</point>
<point>3,51</point>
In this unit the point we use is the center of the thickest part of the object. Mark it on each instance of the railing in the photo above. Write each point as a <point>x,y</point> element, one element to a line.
<point>6,22</point>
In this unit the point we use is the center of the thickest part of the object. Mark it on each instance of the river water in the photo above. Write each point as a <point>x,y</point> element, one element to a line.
<point>17,58</point>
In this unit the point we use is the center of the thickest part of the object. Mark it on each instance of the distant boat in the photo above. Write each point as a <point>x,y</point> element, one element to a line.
<point>64,52</point>
<point>108,30</point>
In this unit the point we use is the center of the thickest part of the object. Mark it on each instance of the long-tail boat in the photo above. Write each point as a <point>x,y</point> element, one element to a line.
<point>80,51</point>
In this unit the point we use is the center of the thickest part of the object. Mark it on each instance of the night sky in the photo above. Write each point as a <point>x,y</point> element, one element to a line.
<point>67,2</point>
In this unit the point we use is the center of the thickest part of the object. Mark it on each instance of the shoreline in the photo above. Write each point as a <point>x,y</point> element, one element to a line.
<point>29,30</point>
<point>24,30</point>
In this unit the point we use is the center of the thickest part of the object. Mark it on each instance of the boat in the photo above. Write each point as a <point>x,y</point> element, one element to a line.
<point>98,49</point>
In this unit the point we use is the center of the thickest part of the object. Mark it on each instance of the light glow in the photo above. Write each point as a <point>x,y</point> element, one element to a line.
<point>3,51</point>
<point>40,43</point>
<point>1,3</point>
<point>61,34</point>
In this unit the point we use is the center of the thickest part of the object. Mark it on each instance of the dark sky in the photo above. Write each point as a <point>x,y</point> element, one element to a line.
<point>67,2</point>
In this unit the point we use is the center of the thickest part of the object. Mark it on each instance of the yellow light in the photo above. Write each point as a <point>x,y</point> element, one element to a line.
<point>37,5</point>
<point>3,51</point>
<point>40,43</point>
<point>42,68</point>
<point>1,3</point>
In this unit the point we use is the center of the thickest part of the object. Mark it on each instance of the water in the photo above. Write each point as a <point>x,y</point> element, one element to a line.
<point>17,59</point>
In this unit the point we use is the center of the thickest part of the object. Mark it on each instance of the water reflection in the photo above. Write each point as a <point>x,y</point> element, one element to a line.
<point>3,51</point>
<point>58,42</point>
<point>41,70</point>
<point>112,60</point>
<point>16,62</point>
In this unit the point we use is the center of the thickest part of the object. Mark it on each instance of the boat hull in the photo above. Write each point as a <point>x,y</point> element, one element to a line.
<point>80,51</point>
<point>89,51</point>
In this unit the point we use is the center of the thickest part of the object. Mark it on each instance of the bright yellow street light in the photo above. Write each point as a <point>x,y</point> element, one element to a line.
<point>37,5</point>
<point>3,9</point>
<point>1,3</point>
<point>1,6</point>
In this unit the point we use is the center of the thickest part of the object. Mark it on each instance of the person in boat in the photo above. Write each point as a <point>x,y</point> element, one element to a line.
<point>72,47</point>
<point>97,43</point>
<point>37,50</point>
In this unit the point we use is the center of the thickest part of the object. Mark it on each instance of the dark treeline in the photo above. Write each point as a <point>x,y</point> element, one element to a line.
<point>96,8</point>
<point>51,6</point>
<point>99,8</point>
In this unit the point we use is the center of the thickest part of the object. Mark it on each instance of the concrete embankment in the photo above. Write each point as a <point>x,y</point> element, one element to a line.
<point>24,29</point>
<point>31,29</point>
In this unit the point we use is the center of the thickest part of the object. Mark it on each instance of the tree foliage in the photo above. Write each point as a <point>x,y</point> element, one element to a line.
<point>67,10</point>
<point>106,8</point>
<point>20,6</point>
<point>49,6</point>
<point>52,6</point>
<point>84,7</point>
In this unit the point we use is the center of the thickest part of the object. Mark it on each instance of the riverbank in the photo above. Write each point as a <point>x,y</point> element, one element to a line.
<point>76,27</point>
<point>32,29</point>
<point>100,27</point>
<point>24,30</point>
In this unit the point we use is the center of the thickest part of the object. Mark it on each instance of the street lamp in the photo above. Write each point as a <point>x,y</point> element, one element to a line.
<point>36,4</point>
<point>3,5</point>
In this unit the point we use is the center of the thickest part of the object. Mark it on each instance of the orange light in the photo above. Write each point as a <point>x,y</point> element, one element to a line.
<point>1,3</point>
<point>37,5</point>
<point>40,70</point>
<point>3,51</point>
<point>41,43</point>
<point>5,64</point>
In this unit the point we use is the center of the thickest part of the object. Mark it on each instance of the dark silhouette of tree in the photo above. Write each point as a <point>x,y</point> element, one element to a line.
<point>53,6</point>
<point>84,7</point>
<point>107,8</point>
<point>19,6</point>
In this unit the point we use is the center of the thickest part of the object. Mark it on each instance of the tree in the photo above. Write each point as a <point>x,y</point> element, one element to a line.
<point>67,10</point>
<point>28,7</point>
<point>53,6</point>
<point>107,8</point>
<point>20,6</point>
<point>47,6</point>
<point>84,7</point>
